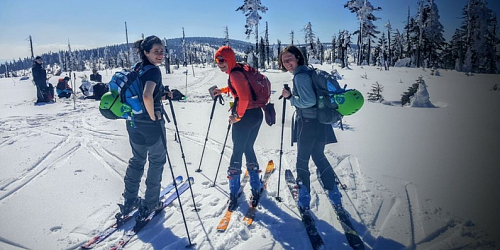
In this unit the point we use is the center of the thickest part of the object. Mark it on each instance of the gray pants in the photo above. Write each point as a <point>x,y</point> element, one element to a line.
<point>156,154</point>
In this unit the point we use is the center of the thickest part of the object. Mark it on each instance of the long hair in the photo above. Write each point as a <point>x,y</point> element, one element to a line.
<point>146,44</point>
<point>296,52</point>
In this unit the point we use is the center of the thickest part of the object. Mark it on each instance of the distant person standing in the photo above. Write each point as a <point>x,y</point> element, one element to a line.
<point>95,76</point>
<point>40,79</point>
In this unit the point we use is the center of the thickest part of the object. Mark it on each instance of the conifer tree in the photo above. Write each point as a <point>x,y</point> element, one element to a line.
<point>406,97</point>
<point>375,94</point>
<point>251,9</point>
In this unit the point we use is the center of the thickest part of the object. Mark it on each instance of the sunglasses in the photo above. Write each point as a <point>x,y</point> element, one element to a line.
<point>220,60</point>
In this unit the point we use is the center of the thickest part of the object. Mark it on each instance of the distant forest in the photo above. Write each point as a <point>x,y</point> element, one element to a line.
<point>189,50</point>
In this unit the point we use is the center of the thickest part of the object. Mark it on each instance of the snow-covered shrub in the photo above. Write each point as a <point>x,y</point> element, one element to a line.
<point>421,98</point>
<point>403,62</point>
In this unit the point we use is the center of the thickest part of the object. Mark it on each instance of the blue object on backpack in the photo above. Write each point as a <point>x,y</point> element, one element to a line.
<point>128,86</point>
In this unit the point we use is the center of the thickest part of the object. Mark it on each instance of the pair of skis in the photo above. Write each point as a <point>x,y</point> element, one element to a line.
<point>305,215</point>
<point>122,220</point>
<point>316,241</point>
<point>350,233</point>
<point>250,215</point>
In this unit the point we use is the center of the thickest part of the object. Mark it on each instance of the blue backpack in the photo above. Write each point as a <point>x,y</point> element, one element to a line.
<point>124,99</point>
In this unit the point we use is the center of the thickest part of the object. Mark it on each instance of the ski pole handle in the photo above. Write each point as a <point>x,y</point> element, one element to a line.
<point>287,88</point>
<point>221,99</point>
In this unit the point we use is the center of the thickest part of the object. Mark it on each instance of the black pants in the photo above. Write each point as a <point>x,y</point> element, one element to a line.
<point>39,94</point>
<point>244,135</point>
<point>312,138</point>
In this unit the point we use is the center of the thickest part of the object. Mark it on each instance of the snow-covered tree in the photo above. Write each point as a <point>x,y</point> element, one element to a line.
<point>107,57</point>
<point>388,26</point>
<point>421,97</point>
<point>433,34</point>
<point>396,47</point>
<point>166,56</point>
<point>309,38</point>
<point>251,9</point>
<point>226,36</point>
<point>406,96</point>
<point>344,42</point>
<point>380,50</point>
<point>334,46</point>
<point>262,52</point>
<point>320,51</point>
<point>376,92</point>
<point>367,30</point>
<point>266,45</point>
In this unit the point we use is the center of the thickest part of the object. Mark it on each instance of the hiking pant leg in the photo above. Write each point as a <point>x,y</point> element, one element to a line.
<point>39,94</point>
<point>244,135</point>
<point>256,117</point>
<point>324,167</point>
<point>135,170</point>
<point>252,163</point>
<point>157,158</point>
<point>306,138</point>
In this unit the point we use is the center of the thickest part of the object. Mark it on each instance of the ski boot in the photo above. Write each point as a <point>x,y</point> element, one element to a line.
<point>233,174</point>
<point>255,183</point>
<point>233,202</point>
<point>254,200</point>
<point>126,208</point>
<point>304,197</point>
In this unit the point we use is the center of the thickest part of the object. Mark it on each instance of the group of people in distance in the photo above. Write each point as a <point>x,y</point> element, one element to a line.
<point>45,90</point>
<point>148,141</point>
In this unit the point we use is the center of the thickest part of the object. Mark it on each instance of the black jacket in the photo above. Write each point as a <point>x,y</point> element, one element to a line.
<point>39,75</point>
<point>96,77</point>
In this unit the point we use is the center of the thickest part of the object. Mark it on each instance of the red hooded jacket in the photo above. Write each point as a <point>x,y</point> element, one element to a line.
<point>238,81</point>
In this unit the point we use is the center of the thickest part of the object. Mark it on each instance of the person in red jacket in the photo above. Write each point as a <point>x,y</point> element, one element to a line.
<point>246,118</point>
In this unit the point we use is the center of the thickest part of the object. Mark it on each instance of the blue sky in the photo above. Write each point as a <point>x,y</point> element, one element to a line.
<point>92,23</point>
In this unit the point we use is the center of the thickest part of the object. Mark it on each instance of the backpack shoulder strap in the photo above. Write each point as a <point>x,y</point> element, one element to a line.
<point>145,68</point>
<point>242,70</point>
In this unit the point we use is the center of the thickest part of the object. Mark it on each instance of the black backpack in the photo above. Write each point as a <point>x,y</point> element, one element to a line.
<point>177,95</point>
<point>99,90</point>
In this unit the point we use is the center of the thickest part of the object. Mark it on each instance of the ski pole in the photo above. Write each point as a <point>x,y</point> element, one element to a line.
<point>180,144</point>
<point>278,198</point>
<point>222,153</point>
<point>221,100</point>
<point>175,185</point>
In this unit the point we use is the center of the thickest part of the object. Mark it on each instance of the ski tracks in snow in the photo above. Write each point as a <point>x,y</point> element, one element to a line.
<point>64,134</point>
<point>375,209</point>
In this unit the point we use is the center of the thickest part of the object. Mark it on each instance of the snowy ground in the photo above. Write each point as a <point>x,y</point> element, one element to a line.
<point>417,178</point>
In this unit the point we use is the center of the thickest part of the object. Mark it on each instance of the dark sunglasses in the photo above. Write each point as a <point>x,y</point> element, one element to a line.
<point>220,60</point>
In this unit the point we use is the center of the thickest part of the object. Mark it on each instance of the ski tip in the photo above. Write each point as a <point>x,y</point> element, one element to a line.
<point>191,179</point>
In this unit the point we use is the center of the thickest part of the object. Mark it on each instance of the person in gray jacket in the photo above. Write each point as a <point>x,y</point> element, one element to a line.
<point>312,136</point>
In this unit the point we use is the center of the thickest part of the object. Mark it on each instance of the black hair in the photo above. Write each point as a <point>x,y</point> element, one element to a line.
<point>145,45</point>
<point>295,51</point>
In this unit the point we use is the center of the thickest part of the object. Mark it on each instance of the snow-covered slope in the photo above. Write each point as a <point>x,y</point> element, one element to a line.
<point>417,178</point>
